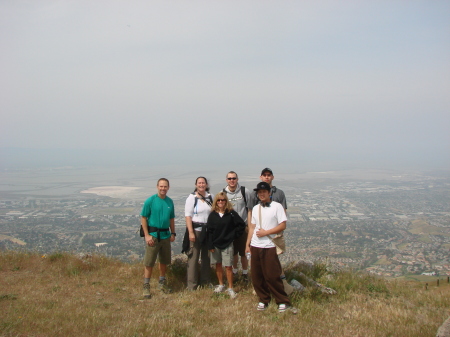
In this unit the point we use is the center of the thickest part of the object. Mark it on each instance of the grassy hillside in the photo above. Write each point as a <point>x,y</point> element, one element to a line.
<point>65,295</point>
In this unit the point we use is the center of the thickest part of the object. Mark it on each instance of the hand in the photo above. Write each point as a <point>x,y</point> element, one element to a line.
<point>149,240</point>
<point>247,249</point>
<point>172,238</point>
<point>211,250</point>
<point>261,232</point>
<point>192,237</point>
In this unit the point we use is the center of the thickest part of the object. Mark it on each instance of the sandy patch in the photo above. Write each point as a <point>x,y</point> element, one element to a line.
<point>10,238</point>
<point>112,191</point>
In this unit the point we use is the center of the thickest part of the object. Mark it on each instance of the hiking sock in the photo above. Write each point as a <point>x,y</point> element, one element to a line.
<point>283,277</point>
<point>146,280</point>
<point>244,272</point>
<point>235,271</point>
<point>162,279</point>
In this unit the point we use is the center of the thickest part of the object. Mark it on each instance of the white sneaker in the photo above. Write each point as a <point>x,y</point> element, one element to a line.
<point>231,292</point>
<point>261,306</point>
<point>284,307</point>
<point>219,288</point>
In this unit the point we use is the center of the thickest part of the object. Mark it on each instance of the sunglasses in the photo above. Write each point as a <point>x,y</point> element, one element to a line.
<point>221,200</point>
<point>234,178</point>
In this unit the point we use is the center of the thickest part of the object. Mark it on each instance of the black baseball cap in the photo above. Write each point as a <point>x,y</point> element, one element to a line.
<point>262,186</point>
<point>266,170</point>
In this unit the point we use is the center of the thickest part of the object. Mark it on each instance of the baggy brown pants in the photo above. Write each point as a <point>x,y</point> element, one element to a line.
<point>266,271</point>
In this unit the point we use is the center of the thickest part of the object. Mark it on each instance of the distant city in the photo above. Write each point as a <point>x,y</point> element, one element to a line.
<point>391,225</point>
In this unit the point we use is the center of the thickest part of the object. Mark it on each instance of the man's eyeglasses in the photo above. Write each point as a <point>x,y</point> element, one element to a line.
<point>234,178</point>
<point>223,200</point>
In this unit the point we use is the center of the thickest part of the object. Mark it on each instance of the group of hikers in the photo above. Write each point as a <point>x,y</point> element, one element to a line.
<point>235,223</point>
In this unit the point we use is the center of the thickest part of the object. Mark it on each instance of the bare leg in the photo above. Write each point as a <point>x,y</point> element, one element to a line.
<point>148,272</point>
<point>162,269</point>
<point>219,272</point>
<point>235,261</point>
<point>229,276</point>
<point>244,263</point>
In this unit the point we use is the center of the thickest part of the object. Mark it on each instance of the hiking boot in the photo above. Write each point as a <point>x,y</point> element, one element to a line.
<point>164,287</point>
<point>219,288</point>
<point>231,292</point>
<point>261,306</point>
<point>284,307</point>
<point>146,290</point>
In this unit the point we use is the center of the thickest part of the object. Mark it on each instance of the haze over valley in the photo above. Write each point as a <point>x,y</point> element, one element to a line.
<point>392,223</point>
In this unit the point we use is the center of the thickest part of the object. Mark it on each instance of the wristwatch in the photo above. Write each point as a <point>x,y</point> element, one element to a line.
<point>174,234</point>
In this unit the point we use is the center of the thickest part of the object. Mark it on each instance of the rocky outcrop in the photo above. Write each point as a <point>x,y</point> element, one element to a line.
<point>444,330</point>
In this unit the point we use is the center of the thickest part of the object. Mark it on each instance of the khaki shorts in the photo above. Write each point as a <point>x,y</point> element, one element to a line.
<point>161,248</point>
<point>224,256</point>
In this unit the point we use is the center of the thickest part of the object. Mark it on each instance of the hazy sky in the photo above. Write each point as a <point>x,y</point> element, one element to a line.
<point>353,78</point>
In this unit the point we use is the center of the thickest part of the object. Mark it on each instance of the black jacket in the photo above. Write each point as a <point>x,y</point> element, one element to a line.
<point>221,231</point>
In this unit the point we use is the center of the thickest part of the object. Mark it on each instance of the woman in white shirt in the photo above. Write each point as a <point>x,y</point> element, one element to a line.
<point>196,211</point>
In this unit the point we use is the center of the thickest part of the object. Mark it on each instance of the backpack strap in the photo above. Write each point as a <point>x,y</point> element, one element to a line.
<point>208,202</point>
<point>196,199</point>
<point>243,195</point>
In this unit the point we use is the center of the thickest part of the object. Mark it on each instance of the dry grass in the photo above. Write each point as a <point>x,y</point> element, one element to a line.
<point>63,295</point>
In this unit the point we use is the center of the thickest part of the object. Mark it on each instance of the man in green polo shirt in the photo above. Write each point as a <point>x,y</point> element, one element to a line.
<point>158,224</point>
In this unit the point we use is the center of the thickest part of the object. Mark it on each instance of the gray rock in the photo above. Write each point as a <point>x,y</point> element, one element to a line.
<point>297,285</point>
<point>444,330</point>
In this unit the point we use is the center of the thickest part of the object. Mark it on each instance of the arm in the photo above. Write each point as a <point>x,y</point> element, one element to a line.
<point>239,223</point>
<point>249,209</point>
<point>251,229</point>
<point>283,200</point>
<point>190,228</point>
<point>210,232</point>
<point>262,232</point>
<point>189,212</point>
<point>148,237</point>
<point>252,201</point>
<point>172,229</point>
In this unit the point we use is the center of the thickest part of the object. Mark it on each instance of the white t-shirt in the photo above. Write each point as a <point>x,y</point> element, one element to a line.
<point>272,216</point>
<point>201,211</point>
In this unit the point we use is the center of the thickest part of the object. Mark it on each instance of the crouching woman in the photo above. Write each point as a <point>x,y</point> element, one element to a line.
<point>223,226</point>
